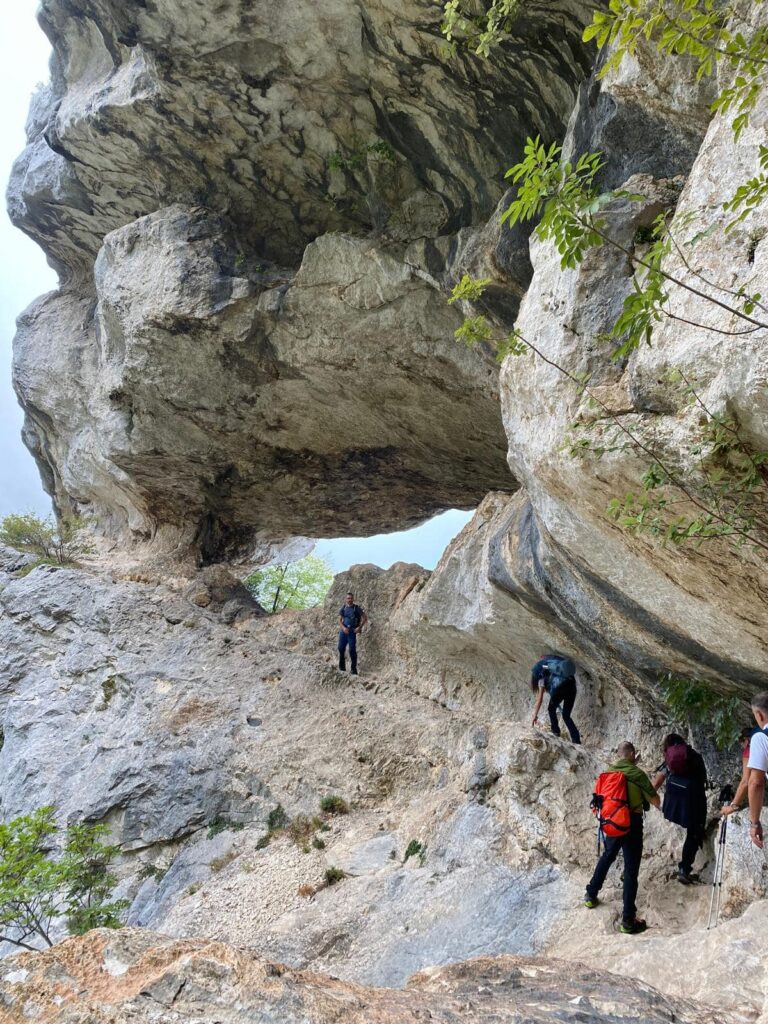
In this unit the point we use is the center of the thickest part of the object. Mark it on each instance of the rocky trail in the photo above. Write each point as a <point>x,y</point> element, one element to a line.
<point>468,833</point>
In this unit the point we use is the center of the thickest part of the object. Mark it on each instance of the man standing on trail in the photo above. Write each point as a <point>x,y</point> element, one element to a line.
<point>684,776</point>
<point>352,618</point>
<point>640,794</point>
<point>758,766</point>
<point>557,676</point>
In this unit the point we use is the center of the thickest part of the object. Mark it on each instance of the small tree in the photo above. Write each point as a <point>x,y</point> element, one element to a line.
<point>49,540</point>
<point>301,584</point>
<point>46,874</point>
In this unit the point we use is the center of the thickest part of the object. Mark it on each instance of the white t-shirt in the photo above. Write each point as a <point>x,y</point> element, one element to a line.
<point>758,752</point>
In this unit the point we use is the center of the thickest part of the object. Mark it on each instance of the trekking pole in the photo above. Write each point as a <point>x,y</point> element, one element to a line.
<point>717,879</point>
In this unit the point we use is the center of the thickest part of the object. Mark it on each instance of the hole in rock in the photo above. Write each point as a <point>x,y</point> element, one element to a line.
<point>423,544</point>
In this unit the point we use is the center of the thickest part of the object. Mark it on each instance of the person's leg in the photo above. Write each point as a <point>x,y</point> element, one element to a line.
<point>552,709</point>
<point>693,840</point>
<point>353,651</point>
<point>568,701</point>
<point>633,854</point>
<point>608,856</point>
<point>343,637</point>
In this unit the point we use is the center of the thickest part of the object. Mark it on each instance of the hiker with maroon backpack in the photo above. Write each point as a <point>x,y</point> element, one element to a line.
<point>684,777</point>
<point>622,794</point>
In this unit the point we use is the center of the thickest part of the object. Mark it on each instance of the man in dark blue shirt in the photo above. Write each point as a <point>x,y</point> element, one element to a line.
<point>555,675</point>
<point>352,618</point>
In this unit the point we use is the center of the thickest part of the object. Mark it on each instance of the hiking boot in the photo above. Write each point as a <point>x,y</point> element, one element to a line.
<point>590,903</point>
<point>633,927</point>
<point>684,877</point>
<point>353,672</point>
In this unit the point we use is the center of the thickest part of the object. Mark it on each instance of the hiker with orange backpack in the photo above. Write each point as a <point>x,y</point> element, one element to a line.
<point>684,777</point>
<point>622,794</point>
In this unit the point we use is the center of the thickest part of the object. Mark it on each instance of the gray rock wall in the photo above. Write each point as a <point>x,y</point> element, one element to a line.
<point>241,344</point>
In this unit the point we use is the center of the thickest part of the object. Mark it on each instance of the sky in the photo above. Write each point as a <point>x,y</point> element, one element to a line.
<point>24,274</point>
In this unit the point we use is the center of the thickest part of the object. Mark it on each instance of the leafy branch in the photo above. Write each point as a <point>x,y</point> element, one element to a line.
<point>45,876</point>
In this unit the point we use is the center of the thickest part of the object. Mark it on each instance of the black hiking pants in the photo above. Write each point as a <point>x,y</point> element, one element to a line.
<point>694,838</point>
<point>566,695</point>
<point>632,846</point>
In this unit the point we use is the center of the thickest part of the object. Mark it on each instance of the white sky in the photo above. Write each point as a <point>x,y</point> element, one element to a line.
<point>24,274</point>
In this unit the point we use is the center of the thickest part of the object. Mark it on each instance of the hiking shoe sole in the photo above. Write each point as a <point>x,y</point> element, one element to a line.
<point>633,928</point>
<point>590,904</point>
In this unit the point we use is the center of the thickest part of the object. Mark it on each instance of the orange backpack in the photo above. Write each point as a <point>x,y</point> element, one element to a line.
<point>610,803</point>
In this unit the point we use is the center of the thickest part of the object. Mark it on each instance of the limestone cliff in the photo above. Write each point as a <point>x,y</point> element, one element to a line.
<point>257,213</point>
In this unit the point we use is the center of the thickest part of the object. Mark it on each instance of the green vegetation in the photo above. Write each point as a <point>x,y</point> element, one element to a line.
<point>357,156</point>
<point>219,825</point>
<point>415,849</point>
<point>153,871</point>
<point>462,24</point>
<point>301,584</point>
<point>334,875</point>
<point>301,831</point>
<point>690,701</point>
<point>53,543</point>
<point>47,873</point>
<point>318,844</point>
<point>334,805</point>
<point>277,819</point>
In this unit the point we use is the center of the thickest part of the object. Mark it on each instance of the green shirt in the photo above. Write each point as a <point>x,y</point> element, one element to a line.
<point>639,789</point>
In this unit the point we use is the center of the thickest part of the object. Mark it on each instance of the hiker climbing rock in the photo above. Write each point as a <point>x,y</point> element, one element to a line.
<point>622,794</point>
<point>758,766</point>
<point>352,618</point>
<point>740,796</point>
<point>684,777</point>
<point>555,675</point>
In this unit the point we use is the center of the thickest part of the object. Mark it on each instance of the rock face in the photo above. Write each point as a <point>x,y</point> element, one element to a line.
<point>214,402</point>
<point>230,367</point>
<point>144,978</point>
<point>700,610</point>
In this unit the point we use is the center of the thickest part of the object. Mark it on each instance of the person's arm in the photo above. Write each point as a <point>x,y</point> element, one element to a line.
<point>645,786</point>
<point>344,629</point>
<point>756,790</point>
<point>537,708</point>
<point>658,780</point>
<point>740,795</point>
<point>363,621</point>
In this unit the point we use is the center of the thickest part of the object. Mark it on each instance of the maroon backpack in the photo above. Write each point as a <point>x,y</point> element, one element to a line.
<point>676,758</point>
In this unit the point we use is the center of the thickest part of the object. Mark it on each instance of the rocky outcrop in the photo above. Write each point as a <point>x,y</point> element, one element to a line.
<point>256,353</point>
<point>144,978</point>
<point>296,121</point>
<point>699,610</point>
<point>212,400</point>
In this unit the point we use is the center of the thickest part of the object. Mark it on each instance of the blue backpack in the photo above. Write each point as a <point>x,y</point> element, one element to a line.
<point>559,672</point>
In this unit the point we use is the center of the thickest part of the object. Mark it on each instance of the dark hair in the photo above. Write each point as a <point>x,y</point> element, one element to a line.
<point>672,741</point>
<point>748,732</point>
<point>760,701</point>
